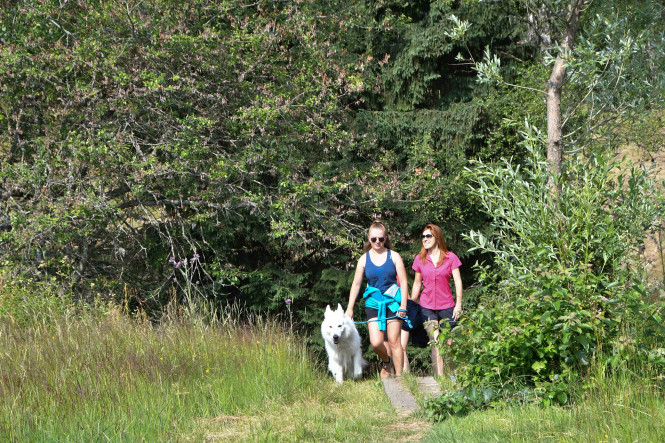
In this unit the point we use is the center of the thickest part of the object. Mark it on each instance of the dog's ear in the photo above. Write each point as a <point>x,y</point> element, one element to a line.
<point>328,310</point>
<point>339,307</point>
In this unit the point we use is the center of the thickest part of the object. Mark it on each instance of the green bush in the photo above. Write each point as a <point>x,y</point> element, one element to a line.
<point>565,290</point>
<point>33,301</point>
<point>458,403</point>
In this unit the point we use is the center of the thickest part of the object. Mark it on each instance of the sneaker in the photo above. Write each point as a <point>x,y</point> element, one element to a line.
<point>386,368</point>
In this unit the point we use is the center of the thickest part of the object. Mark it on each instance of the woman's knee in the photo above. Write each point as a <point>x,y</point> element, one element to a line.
<point>376,339</point>
<point>376,343</point>
<point>394,342</point>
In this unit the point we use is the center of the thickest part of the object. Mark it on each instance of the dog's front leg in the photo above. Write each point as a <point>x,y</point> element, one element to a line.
<point>337,371</point>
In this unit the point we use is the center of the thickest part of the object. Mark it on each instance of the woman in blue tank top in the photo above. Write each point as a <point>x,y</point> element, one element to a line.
<point>382,267</point>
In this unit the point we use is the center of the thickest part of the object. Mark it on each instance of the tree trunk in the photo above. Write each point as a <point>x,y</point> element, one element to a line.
<point>554,87</point>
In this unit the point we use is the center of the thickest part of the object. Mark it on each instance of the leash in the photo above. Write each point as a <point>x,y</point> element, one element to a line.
<point>406,319</point>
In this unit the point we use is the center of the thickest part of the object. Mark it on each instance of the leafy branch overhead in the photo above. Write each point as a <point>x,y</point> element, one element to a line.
<point>138,131</point>
<point>264,136</point>
<point>605,68</point>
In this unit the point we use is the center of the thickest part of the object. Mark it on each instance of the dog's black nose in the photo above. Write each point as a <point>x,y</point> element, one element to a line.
<point>336,337</point>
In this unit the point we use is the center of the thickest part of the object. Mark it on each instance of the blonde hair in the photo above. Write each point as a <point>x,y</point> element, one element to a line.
<point>377,224</point>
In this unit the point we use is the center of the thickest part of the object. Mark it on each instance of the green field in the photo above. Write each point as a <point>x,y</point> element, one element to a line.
<point>82,376</point>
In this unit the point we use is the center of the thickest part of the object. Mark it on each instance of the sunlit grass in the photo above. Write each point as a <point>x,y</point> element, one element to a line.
<point>99,374</point>
<point>617,409</point>
<point>353,411</point>
<point>77,375</point>
<point>109,375</point>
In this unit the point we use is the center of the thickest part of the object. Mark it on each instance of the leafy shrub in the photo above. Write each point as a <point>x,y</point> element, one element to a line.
<point>459,403</point>
<point>564,290</point>
<point>26,301</point>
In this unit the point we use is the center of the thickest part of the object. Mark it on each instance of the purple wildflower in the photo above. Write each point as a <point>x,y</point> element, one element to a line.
<point>287,301</point>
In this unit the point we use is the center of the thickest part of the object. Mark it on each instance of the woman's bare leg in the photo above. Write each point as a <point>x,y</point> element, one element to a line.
<point>404,339</point>
<point>437,360</point>
<point>394,328</point>
<point>376,339</point>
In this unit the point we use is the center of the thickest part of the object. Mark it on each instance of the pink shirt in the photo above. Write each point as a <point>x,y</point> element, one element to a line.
<point>436,293</point>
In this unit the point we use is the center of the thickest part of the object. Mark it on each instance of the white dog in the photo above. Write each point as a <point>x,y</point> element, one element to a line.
<point>342,345</point>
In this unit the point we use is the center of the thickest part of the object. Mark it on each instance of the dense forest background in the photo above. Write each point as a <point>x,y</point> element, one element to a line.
<point>223,151</point>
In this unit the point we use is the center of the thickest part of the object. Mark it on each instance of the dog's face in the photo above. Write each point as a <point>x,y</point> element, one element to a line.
<point>334,324</point>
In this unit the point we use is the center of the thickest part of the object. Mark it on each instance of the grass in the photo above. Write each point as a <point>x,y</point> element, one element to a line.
<point>73,375</point>
<point>616,409</point>
<point>354,411</point>
<point>110,376</point>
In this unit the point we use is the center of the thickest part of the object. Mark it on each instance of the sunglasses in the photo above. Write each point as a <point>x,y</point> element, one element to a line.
<point>424,236</point>
<point>377,239</point>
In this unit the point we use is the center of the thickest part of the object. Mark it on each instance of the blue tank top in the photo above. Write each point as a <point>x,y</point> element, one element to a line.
<point>381,277</point>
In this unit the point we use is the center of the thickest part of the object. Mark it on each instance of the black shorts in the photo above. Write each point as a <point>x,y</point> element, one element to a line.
<point>374,313</point>
<point>438,314</point>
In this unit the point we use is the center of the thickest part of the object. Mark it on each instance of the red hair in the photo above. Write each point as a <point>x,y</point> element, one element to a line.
<point>441,243</point>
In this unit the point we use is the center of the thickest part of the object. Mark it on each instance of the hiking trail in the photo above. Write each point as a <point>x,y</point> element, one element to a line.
<point>401,397</point>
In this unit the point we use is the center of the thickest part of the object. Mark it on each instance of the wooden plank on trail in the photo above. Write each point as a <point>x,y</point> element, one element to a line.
<point>402,399</point>
<point>429,386</point>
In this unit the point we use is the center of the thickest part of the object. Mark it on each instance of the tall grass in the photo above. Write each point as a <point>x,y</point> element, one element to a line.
<point>80,374</point>
<point>72,374</point>
<point>105,375</point>
<point>617,408</point>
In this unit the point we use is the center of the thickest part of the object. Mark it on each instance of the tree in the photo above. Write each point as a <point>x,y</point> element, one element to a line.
<point>565,289</point>
<point>609,73</point>
<point>423,107</point>
<point>555,85</point>
<point>133,132</point>
<point>258,138</point>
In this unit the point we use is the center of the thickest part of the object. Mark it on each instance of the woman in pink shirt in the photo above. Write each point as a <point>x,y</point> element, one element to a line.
<point>434,266</point>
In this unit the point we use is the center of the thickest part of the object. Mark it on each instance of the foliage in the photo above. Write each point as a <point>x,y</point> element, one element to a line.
<point>134,132</point>
<point>426,109</point>
<point>504,139</point>
<point>458,403</point>
<point>616,407</point>
<point>27,301</point>
<point>601,220</point>
<point>563,292</point>
<point>614,70</point>
<point>262,138</point>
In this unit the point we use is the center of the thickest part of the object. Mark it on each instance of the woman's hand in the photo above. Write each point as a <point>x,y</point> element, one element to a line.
<point>457,276</point>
